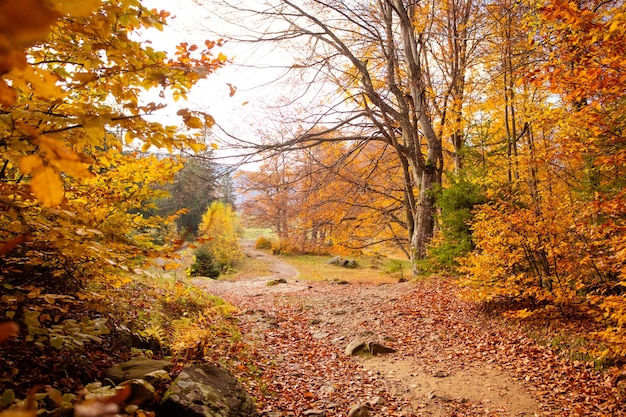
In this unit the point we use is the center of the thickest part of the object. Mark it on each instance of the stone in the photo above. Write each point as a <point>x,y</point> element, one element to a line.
<point>319,335</point>
<point>378,349</point>
<point>359,410</point>
<point>334,260</point>
<point>355,346</point>
<point>136,368</point>
<point>158,378</point>
<point>346,263</point>
<point>206,391</point>
<point>276,282</point>
<point>314,413</point>
<point>378,400</point>
<point>141,392</point>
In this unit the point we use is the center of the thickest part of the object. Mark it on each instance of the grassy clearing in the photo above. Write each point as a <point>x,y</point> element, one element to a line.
<point>253,233</point>
<point>369,269</point>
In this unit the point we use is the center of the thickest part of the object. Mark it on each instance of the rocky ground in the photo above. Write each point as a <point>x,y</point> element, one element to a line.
<point>449,359</point>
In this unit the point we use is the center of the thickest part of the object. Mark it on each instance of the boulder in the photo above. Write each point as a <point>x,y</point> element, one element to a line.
<point>142,393</point>
<point>340,261</point>
<point>355,346</point>
<point>359,410</point>
<point>136,368</point>
<point>206,391</point>
<point>377,349</point>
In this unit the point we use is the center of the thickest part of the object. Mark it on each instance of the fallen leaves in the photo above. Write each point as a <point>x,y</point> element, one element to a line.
<point>437,337</point>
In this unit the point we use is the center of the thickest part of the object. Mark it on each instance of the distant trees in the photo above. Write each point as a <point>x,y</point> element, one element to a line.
<point>316,199</point>
<point>200,182</point>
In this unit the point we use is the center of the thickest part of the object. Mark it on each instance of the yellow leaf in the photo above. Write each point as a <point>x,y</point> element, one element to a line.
<point>214,146</point>
<point>95,129</point>
<point>194,122</point>
<point>197,146</point>
<point>30,163</point>
<point>56,150</point>
<point>47,186</point>
<point>37,81</point>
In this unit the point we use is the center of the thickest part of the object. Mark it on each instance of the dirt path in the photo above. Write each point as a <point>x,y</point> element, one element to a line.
<point>448,362</point>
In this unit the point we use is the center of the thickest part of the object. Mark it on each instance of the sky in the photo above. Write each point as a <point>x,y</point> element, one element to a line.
<point>252,70</point>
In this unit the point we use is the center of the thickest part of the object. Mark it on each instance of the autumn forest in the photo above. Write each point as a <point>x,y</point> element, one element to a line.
<point>479,143</point>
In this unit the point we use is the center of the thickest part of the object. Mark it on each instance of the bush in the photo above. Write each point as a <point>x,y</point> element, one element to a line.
<point>220,229</point>
<point>457,203</point>
<point>204,264</point>
<point>263,243</point>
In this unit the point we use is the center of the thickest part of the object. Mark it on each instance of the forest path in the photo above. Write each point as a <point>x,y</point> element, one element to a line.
<point>448,360</point>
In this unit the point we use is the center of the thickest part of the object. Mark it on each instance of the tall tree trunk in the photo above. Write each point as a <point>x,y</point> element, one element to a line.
<point>427,172</point>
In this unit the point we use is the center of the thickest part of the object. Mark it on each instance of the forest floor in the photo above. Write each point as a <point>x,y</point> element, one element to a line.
<point>450,359</point>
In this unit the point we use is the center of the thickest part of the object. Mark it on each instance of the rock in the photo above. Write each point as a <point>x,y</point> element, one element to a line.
<point>314,413</point>
<point>142,392</point>
<point>355,346</point>
<point>136,368</point>
<point>206,391</point>
<point>319,335</point>
<point>349,263</point>
<point>158,378</point>
<point>346,263</point>
<point>276,282</point>
<point>334,260</point>
<point>377,400</point>
<point>359,410</point>
<point>327,389</point>
<point>377,349</point>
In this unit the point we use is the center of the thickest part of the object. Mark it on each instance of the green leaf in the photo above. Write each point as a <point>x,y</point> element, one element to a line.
<point>8,396</point>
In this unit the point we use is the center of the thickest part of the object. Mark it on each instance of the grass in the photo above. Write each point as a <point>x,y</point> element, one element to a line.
<point>369,269</point>
<point>253,233</point>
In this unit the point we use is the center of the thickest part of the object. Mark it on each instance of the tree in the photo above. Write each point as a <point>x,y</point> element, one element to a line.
<point>192,191</point>
<point>220,229</point>
<point>551,235</point>
<point>71,98</point>
<point>399,81</point>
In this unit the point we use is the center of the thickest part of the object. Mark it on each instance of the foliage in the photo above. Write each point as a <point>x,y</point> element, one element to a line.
<point>263,243</point>
<point>553,231</point>
<point>72,197</point>
<point>200,182</point>
<point>204,264</point>
<point>456,203</point>
<point>220,230</point>
<point>73,191</point>
<point>318,203</point>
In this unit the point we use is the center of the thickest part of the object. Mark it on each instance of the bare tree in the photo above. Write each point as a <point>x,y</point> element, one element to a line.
<point>398,70</point>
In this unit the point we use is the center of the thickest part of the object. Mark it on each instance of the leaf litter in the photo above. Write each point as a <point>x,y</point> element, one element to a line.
<point>450,359</point>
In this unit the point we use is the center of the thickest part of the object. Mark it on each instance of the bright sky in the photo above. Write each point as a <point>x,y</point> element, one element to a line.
<point>241,114</point>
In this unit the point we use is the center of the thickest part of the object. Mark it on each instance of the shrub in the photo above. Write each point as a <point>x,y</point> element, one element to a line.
<point>220,229</point>
<point>457,203</point>
<point>204,264</point>
<point>263,243</point>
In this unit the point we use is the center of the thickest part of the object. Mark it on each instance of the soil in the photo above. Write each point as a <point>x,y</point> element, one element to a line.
<point>448,360</point>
